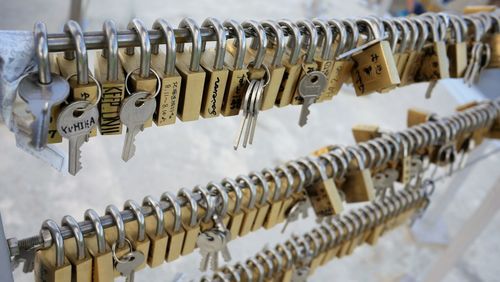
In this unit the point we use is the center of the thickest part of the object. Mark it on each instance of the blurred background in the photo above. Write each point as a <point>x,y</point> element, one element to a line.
<point>187,154</point>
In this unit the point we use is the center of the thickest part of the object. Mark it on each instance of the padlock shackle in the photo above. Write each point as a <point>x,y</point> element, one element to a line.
<point>259,42</point>
<point>71,222</point>
<point>325,38</point>
<point>170,55</point>
<point>42,53</point>
<point>82,63</point>
<point>423,33</point>
<point>276,38</point>
<point>139,218</point>
<point>340,33</point>
<point>149,201</point>
<point>139,27</point>
<point>111,52</point>
<point>352,37</point>
<point>236,29</point>
<point>114,212</point>
<point>405,35</point>
<point>311,34</point>
<point>390,28</point>
<point>220,43</point>
<point>197,42</point>
<point>93,216</point>
<point>58,240</point>
<point>294,40</point>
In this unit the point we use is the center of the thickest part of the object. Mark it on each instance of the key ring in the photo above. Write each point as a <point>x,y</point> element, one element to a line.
<point>158,82</point>
<point>115,257</point>
<point>99,89</point>
<point>267,76</point>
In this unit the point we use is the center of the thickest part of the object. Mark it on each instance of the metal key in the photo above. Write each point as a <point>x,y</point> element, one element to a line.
<point>310,88</point>
<point>210,243</point>
<point>246,114</point>
<point>41,98</point>
<point>75,123</point>
<point>135,111</point>
<point>129,263</point>
<point>255,107</point>
<point>300,208</point>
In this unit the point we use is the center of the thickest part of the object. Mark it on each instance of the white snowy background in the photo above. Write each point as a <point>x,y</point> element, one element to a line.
<point>186,154</point>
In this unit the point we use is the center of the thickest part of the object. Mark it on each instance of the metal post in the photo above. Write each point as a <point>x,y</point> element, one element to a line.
<point>471,229</point>
<point>75,11</point>
<point>5,271</point>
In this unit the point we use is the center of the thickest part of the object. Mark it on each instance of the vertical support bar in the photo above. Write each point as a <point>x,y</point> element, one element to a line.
<point>75,11</point>
<point>471,229</point>
<point>5,271</point>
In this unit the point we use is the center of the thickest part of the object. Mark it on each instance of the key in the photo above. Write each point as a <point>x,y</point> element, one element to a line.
<point>135,111</point>
<point>76,126</point>
<point>245,114</point>
<point>129,263</point>
<point>256,105</point>
<point>210,243</point>
<point>310,88</point>
<point>41,98</point>
<point>298,209</point>
<point>430,88</point>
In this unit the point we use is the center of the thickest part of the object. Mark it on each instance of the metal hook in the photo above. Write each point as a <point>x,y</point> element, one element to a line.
<point>82,64</point>
<point>42,53</point>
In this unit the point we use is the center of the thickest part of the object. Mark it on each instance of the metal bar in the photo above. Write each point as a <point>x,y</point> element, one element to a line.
<point>5,269</point>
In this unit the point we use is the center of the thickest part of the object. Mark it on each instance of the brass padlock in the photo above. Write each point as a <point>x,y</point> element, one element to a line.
<point>173,226</point>
<point>234,207</point>
<point>189,221</point>
<point>136,230</point>
<point>435,63</point>
<point>53,134</point>
<point>274,61</point>
<point>286,274</point>
<point>494,43</point>
<point>234,63</point>
<point>51,264</point>
<point>324,60</point>
<point>167,101</point>
<point>262,203</point>
<point>275,199</point>
<point>288,184</point>
<point>148,80</point>
<point>290,62</point>
<point>323,194</point>
<point>374,67</point>
<point>192,74</point>
<point>307,62</point>
<point>108,71</point>
<point>248,202</point>
<point>358,184</point>
<point>100,251</point>
<point>341,68</point>
<point>391,32</point>
<point>81,87</point>
<point>155,230</point>
<point>75,251</point>
<point>212,61</point>
<point>415,58</point>
<point>457,50</point>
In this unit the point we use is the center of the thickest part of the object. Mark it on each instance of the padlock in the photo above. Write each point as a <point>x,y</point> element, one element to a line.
<point>341,71</point>
<point>81,87</point>
<point>147,79</point>
<point>323,194</point>
<point>108,71</point>
<point>100,251</point>
<point>274,61</point>
<point>341,68</point>
<point>324,56</point>
<point>358,184</point>
<point>290,62</point>
<point>248,202</point>
<point>374,67</point>
<point>167,101</point>
<point>116,237</point>
<point>135,230</point>
<point>275,199</point>
<point>53,134</point>
<point>435,63</point>
<point>457,50</point>
<point>307,62</point>
<point>188,65</point>
<point>212,61</point>
<point>494,42</point>
<point>75,251</point>
<point>189,221</point>
<point>415,58</point>
<point>391,32</point>
<point>262,203</point>
<point>235,211</point>
<point>51,264</point>
<point>155,230</point>
<point>234,63</point>
<point>173,226</point>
